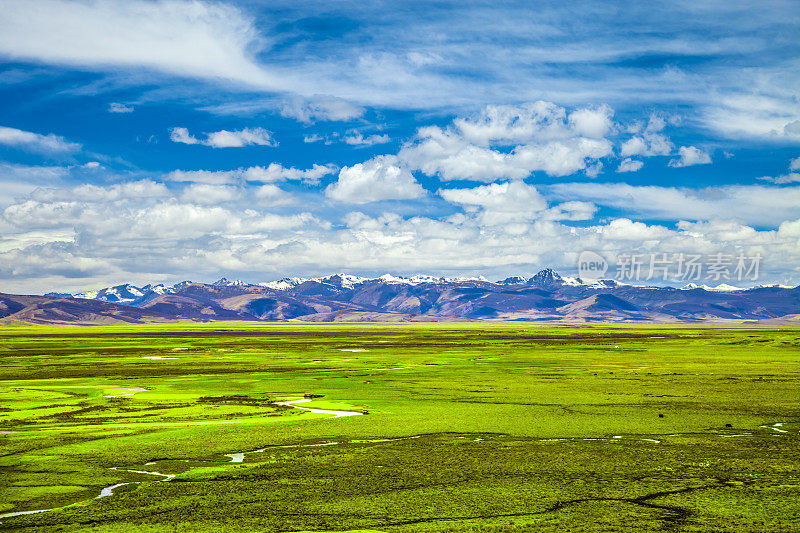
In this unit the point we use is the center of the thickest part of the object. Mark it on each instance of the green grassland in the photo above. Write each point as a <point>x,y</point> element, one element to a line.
<point>465,427</point>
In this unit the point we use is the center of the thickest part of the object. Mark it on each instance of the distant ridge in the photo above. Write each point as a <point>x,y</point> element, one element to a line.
<point>545,296</point>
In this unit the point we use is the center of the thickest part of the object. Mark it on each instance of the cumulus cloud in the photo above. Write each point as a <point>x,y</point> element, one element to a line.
<point>570,211</point>
<point>595,123</point>
<point>380,178</point>
<point>17,181</point>
<point>629,165</point>
<point>277,172</point>
<point>225,138</point>
<point>143,229</point>
<point>205,194</point>
<point>116,107</point>
<point>647,144</point>
<point>545,138</point>
<point>272,173</point>
<point>34,142</point>
<point>499,202</point>
<point>272,195</point>
<point>532,121</point>
<point>59,242</point>
<point>358,139</point>
<point>689,156</point>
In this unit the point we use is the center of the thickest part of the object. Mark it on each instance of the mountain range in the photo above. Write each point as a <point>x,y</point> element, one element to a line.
<point>546,296</point>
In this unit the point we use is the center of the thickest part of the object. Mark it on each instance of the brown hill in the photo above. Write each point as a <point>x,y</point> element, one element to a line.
<point>51,310</point>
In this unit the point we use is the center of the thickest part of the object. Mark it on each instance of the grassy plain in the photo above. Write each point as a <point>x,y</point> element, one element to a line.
<point>467,427</point>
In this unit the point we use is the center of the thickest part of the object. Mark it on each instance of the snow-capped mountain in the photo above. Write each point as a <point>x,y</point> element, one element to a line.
<point>123,294</point>
<point>544,296</point>
<point>126,293</point>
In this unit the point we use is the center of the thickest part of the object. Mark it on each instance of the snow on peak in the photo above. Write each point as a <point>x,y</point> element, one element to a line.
<point>342,280</point>
<point>86,295</point>
<point>225,282</point>
<point>722,287</point>
<point>283,284</point>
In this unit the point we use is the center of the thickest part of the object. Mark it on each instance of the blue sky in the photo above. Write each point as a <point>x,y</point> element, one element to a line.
<point>158,141</point>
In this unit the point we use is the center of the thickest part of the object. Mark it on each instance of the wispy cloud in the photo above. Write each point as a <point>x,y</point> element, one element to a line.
<point>225,138</point>
<point>49,144</point>
<point>116,107</point>
<point>748,204</point>
<point>316,108</point>
<point>187,38</point>
<point>790,177</point>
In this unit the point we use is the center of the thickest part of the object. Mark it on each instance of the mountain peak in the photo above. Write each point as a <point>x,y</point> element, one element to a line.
<point>547,279</point>
<point>225,282</point>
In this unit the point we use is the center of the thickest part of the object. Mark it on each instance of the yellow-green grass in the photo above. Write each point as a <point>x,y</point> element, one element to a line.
<point>508,419</point>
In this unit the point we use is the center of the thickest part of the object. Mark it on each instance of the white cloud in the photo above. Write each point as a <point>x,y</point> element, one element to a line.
<point>437,151</point>
<point>182,135</point>
<point>211,177</point>
<point>17,181</point>
<point>272,173</point>
<point>313,138</point>
<point>546,139</point>
<point>272,195</point>
<point>225,138</point>
<point>319,107</point>
<point>570,211</point>
<point>648,144</point>
<point>35,142</point>
<point>57,244</point>
<point>595,123</point>
<point>205,194</point>
<point>748,204</point>
<point>774,116</point>
<point>629,165</point>
<point>394,61</point>
<point>116,107</point>
<point>189,38</point>
<point>562,158</point>
<point>96,193</point>
<point>533,121</point>
<point>276,172</point>
<point>380,178</point>
<point>790,177</point>
<point>358,139</point>
<point>499,202</point>
<point>688,156</point>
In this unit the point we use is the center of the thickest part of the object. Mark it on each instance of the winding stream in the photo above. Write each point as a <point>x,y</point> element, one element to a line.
<point>292,402</point>
<point>235,457</point>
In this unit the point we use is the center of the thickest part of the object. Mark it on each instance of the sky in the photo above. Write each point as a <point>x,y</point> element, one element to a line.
<point>158,141</point>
